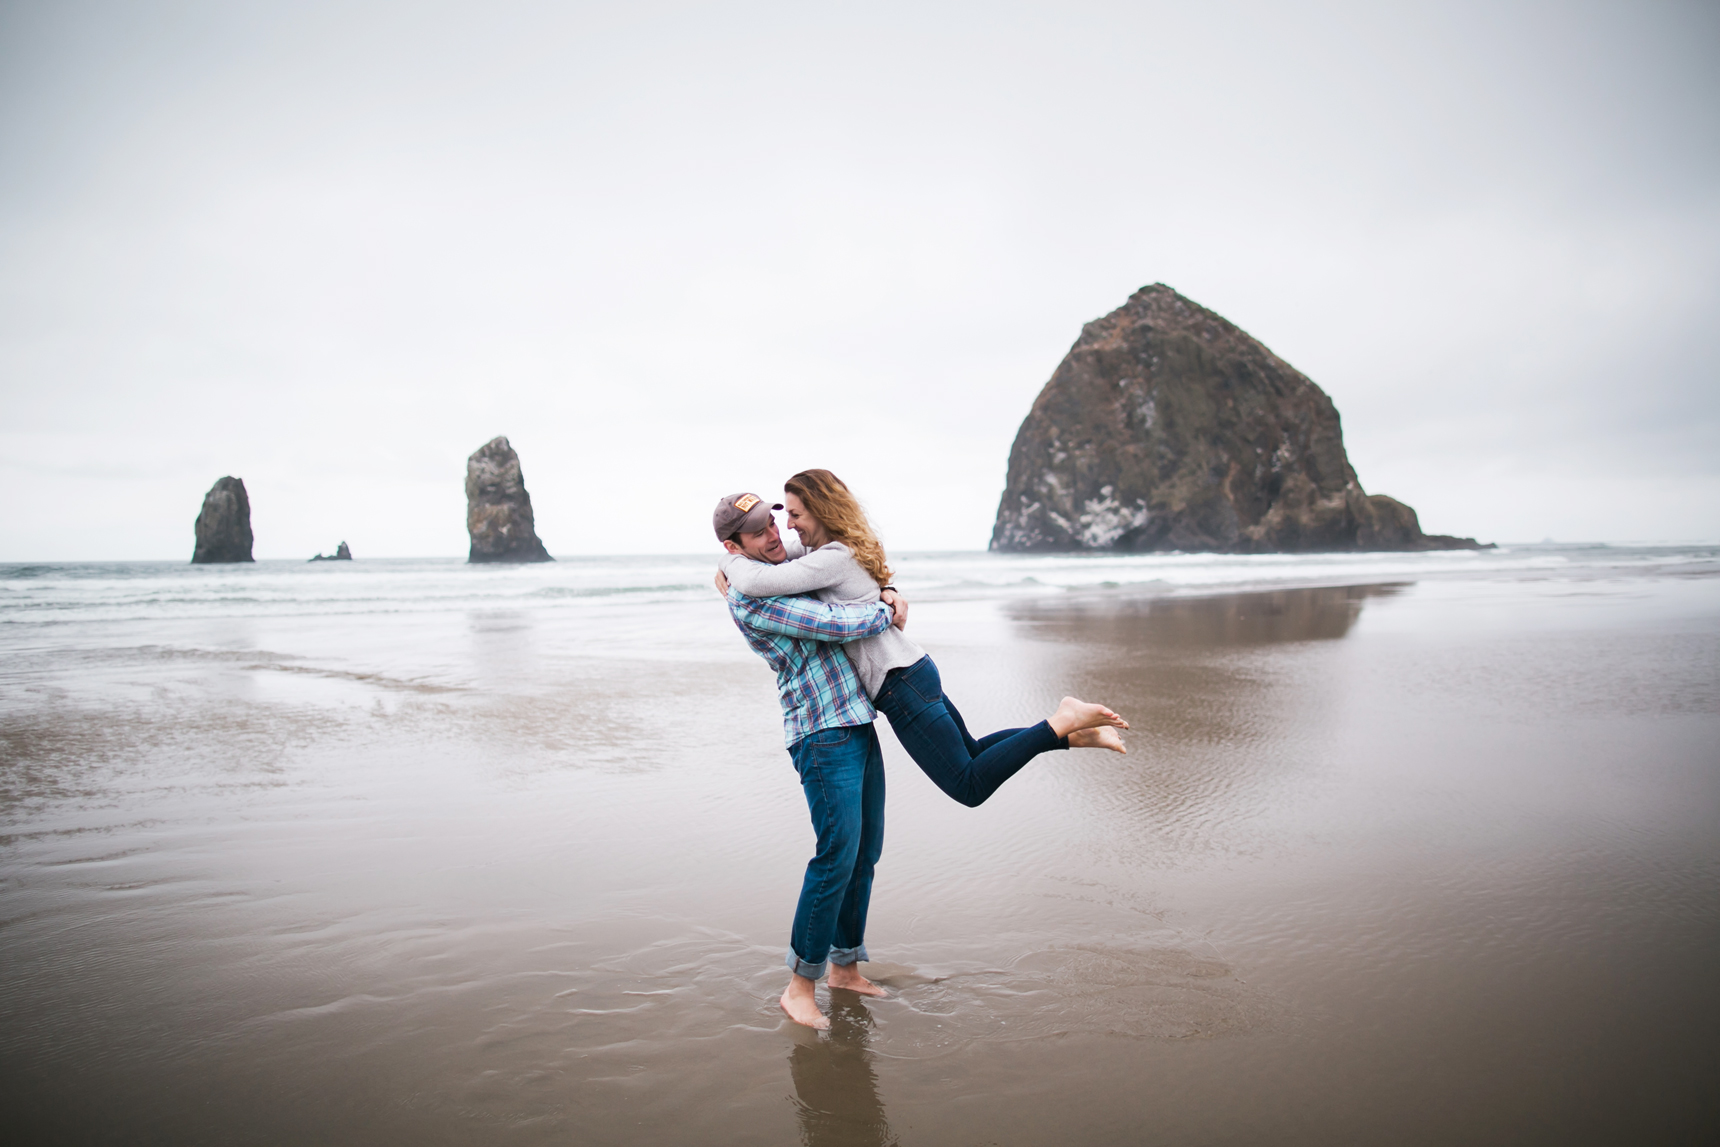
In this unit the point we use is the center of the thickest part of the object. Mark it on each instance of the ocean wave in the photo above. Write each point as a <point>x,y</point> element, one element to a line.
<point>40,593</point>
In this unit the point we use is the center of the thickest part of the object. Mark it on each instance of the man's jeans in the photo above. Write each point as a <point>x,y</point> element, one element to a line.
<point>842,773</point>
<point>930,728</point>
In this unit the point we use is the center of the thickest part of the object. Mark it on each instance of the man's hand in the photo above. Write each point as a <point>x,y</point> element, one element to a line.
<point>722,584</point>
<point>898,605</point>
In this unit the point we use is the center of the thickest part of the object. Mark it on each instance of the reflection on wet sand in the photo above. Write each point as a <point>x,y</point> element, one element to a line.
<point>836,1090</point>
<point>1322,613</point>
<point>1233,701</point>
<point>1369,873</point>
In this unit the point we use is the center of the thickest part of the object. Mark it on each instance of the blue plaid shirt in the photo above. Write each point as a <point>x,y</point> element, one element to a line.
<point>798,637</point>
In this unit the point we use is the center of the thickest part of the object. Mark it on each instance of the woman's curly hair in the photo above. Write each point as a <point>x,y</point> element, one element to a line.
<point>828,500</point>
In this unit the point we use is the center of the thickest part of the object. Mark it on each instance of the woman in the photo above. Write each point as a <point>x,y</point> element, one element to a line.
<point>844,562</point>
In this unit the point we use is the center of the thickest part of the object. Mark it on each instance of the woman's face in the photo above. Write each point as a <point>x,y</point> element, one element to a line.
<point>812,534</point>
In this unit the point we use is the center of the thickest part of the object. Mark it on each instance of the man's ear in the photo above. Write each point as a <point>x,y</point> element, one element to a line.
<point>730,546</point>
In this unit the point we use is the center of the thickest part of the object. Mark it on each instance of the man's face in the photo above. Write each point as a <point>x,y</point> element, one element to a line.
<point>764,546</point>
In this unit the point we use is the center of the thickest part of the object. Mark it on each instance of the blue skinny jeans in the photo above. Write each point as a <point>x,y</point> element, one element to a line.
<point>931,729</point>
<point>842,774</point>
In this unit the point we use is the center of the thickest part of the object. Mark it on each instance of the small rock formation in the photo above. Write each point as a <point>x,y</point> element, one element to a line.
<point>1168,428</point>
<point>498,509</point>
<point>341,554</point>
<point>224,524</point>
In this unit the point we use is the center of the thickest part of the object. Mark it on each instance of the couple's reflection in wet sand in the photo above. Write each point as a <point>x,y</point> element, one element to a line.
<point>1151,652</point>
<point>836,1091</point>
<point>1155,647</point>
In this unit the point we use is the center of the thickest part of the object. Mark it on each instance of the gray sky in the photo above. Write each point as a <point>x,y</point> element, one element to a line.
<point>677,250</point>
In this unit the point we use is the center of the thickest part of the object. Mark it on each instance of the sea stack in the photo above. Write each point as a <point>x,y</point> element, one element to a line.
<point>498,509</point>
<point>1167,427</point>
<point>224,524</point>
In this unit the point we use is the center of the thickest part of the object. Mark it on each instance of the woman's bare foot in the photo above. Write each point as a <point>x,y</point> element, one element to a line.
<point>801,1003</point>
<point>1074,714</point>
<point>1101,738</point>
<point>848,978</point>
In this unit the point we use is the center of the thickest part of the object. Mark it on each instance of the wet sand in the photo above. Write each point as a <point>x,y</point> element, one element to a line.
<point>1415,863</point>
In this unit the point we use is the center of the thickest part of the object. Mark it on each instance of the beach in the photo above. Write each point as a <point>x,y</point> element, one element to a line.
<point>1409,848</point>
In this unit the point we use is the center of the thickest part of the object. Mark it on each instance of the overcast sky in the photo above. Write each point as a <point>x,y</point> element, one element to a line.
<point>674,251</point>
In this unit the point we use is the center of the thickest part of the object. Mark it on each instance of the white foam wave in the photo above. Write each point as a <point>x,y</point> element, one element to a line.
<point>43,594</point>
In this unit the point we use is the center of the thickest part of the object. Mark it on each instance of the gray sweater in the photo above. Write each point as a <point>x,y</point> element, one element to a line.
<point>831,574</point>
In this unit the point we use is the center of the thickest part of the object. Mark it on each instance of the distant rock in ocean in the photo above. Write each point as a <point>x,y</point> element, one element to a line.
<point>1168,428</point>
<point>498,509</point>
<point>341,554</point>
<point>224,524</point>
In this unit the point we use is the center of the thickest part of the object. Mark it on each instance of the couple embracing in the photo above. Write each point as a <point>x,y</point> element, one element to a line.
<point>823,614</point>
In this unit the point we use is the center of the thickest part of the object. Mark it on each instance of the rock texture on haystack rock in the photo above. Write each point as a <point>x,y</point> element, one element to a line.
<point>224,524</point>
<point>498,509</point>
<point>1168,428</point>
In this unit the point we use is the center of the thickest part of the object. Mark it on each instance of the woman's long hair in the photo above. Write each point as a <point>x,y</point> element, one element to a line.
<point>828,500</point>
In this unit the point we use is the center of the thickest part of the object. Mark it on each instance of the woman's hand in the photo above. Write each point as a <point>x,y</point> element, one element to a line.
<point>722,584</point>
<point>898,604</point>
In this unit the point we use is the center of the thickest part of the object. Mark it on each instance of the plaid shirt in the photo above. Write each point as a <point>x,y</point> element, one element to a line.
<point>798,636</point>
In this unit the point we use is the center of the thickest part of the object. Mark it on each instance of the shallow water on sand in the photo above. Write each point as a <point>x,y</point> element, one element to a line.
<point>1429,859</point>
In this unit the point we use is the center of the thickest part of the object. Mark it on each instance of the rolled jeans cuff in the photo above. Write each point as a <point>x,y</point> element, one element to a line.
<point>839,956</point>
<point>801,968</point>
<point>842,957</point>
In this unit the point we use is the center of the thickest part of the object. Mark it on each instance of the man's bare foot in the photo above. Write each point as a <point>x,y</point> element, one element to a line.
<point>848,978</point>
<point>1101,738</point>
<point>801,1003</point>
<point>1074,714</point>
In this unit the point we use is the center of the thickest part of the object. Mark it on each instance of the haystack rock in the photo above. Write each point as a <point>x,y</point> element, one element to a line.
<point>1168,428</point>
<point>224,524</point>
<point>498,509</point>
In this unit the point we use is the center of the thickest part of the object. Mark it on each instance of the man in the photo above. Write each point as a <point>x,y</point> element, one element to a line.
<point>827,722</point>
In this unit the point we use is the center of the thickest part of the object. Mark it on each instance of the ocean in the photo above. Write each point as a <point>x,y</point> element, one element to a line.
<point>1406,848</point>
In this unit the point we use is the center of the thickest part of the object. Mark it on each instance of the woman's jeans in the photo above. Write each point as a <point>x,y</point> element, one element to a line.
<point>930,728</point>
<point>842,774</point>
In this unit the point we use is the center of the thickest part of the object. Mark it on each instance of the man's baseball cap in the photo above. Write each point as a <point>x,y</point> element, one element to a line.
<point>741,514</point>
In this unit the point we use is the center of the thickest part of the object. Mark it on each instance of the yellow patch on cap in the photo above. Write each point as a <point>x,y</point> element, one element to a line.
<point>748,502</point>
